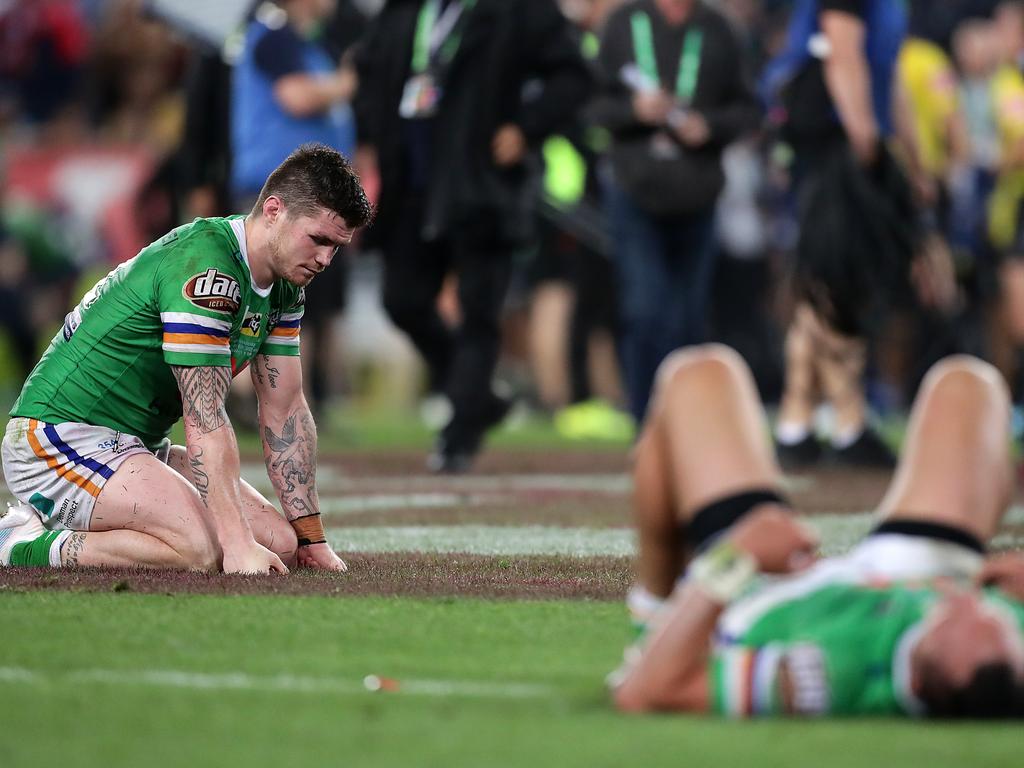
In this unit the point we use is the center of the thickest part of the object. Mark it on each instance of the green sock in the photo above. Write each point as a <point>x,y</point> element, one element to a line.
<point>35,552</point>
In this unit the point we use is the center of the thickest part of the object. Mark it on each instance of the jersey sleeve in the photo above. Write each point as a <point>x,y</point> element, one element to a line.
<point>199,297</point>
<point>771,680</point>
<point>283,338</point>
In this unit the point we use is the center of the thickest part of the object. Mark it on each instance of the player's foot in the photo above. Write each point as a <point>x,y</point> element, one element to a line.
<point>868,451</point>
<point>18,524</point>
<point>799,455</point>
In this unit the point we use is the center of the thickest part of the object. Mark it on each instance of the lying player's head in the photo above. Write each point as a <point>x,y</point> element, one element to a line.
<point>313,203</point>
<point>969,661</point>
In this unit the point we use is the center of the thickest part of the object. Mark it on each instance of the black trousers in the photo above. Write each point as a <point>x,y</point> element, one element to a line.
<point>460,361</point>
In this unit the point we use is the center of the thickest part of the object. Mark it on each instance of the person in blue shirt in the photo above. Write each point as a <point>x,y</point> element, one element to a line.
<point>286,91</point>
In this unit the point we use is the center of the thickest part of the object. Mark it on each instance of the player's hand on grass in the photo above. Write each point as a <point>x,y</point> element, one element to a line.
<point>252,557</point>
<point>1005,571</point>
<point>778,542</point>
<point>321,557</point>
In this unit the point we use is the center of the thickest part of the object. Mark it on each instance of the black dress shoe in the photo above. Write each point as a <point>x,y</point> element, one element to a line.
<point>800,455</point>
<point>868,451</point>
<point>457,447</point>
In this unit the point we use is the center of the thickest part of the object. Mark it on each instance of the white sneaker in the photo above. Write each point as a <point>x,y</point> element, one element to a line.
<point>18,524</point>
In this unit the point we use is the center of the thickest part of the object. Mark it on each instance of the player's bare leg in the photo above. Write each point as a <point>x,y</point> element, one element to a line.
<point>145,515</point>
<point>956,465</point>
<point>800,395</point>
<point>704,439</point>
<point>269,526</point>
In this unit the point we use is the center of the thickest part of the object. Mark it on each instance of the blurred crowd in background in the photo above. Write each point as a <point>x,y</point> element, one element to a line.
<point>120,119</point>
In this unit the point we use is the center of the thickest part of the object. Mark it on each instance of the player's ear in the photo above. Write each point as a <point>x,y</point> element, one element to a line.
<point>272,208</point>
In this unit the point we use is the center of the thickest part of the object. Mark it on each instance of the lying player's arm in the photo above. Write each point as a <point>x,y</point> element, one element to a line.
<point>289,450</point>
<point>213,458</point>
<point>1005,571</point>
<point>672,673</point>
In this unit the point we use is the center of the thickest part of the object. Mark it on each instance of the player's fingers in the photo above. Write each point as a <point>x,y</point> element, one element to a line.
<point>277,565</point>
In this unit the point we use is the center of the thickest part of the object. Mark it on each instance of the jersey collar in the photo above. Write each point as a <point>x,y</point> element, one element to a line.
<point>238,228</point>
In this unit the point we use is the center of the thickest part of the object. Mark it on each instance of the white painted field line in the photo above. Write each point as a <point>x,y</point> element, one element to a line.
<point>242,681</point>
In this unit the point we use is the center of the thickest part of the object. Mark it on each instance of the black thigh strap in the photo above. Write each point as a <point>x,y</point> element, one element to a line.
<point>931,530</point>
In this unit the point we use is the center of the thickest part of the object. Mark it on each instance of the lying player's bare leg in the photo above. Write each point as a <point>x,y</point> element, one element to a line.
<point>145,515</point>
<point>956,466</point>
<point>269,526</point>
<point>704,440</point>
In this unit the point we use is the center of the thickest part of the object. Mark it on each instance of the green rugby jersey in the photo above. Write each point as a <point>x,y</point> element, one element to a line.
<point>188,299</point>
<point>845,647</point>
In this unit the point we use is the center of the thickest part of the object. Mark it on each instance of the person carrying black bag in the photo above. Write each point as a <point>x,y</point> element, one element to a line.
<point>673,96</point>
<point>833,88</point>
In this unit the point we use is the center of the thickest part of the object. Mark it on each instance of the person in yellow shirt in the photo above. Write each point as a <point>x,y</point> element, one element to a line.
<point>1006,228</point>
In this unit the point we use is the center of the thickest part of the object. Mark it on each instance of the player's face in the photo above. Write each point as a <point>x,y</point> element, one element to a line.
<point>304,246</point>
<point>965,633</point>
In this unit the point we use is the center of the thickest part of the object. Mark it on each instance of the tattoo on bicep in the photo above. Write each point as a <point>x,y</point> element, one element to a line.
<point>195,463</point>
<point>203,392</point>
<point>291,463</point>
<point>73,549</point>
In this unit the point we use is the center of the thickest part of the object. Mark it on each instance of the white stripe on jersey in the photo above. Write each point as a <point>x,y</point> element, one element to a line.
<point>203,320</point>
<point>199,349</point>
<point>288,317</point>
<point>282,341</point>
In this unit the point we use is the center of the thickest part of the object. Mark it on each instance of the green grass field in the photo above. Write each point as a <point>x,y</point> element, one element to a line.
<point>124,679</point>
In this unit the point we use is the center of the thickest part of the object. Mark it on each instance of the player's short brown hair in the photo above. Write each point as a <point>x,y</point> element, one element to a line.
<point>317,176</point>
<point>993,692</point>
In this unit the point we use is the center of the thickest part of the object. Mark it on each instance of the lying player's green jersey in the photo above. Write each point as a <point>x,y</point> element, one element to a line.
<point>188,300</point>
<point>845,650</point>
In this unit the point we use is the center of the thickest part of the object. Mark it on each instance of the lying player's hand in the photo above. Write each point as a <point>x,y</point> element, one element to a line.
<point>777,541</point>
<point>252,557</point>
<point>321,557</point>
<point>1005,571</point>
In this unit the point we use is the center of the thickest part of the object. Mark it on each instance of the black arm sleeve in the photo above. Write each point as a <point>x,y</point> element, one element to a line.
<point>559,64</point>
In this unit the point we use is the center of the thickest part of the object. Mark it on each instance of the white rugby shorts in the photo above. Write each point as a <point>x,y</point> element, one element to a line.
<point>880,558</point>
<point>60,469</point>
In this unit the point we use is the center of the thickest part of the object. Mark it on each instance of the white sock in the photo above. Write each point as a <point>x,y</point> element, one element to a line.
<point>55,546</point>
<point>844,438</point>
<point>791,432</point>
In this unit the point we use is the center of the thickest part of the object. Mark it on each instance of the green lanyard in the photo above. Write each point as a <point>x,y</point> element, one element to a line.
<point>689,62</point>
<point>425,28</point>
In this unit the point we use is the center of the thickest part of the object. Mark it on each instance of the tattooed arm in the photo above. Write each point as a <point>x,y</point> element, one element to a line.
<point>289,450</point>
<point>213,459</point>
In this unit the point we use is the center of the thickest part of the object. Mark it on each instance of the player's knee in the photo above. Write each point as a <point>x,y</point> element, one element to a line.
<point>198,551</point>
<point>963,377</point>
<point>691,365</point>
<point>284,543</point>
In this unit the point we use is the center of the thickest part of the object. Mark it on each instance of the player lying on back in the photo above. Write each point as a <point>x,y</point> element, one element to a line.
<point>158,339</point>
<point>914,620</point>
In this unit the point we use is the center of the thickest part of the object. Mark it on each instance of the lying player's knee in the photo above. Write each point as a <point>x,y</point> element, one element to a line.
<point>692,364</point>
<point>964,376</point>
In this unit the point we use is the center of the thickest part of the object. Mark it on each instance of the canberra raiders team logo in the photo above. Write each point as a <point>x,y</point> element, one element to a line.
<point>251,324</point>
<point>213,290</point>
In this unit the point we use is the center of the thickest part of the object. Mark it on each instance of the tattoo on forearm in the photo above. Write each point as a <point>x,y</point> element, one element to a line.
<point>202,480</point>
<point>291,463</point>
<point>73,549</point>
<point>272,373</point>
<point>203,391</point>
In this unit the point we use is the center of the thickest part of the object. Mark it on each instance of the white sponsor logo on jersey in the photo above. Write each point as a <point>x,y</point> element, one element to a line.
<point>213,290</point>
